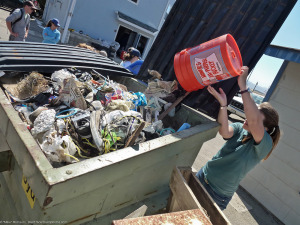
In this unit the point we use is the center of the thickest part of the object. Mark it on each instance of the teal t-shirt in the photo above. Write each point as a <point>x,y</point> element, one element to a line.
<point>231,164</point>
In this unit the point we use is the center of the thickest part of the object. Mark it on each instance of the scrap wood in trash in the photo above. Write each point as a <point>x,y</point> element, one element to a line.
<point>84,45</point>
<point>135,134</point>
<point>161,116</point>
<point>187,217</point>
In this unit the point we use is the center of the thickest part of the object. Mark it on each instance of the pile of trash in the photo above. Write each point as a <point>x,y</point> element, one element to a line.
<point>75,115</point>
<point>84,45</point>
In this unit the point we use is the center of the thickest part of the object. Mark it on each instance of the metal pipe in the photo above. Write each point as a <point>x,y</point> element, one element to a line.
<point>70,14</point>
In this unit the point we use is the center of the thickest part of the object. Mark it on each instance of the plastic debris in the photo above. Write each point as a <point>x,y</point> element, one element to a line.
<point>184,127</point>
<point>140,100</point>
<point>154,74</point>
<point>97,105</point>
<point>172,112</point>
<point>28,88</point>
<point>95,121</point>
<point>166,131</point>
<point>119,105</point>
<point>43,122</point>
<point>78,114</point>
<point>25,110</point>
<point>154,127</point>
<point>59,76</point>
<point>58,149</point>
<point>81,121</point>
<point>160,88</point>
<point>70,94</point>
<point>36,113</point>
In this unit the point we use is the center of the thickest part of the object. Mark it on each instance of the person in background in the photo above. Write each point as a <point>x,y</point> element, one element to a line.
<point>127,58</point>
<point>50,33</point>
<point>133,62</point>
<point>18,22</point>
<point>103,53</point>
<point>247,144</point>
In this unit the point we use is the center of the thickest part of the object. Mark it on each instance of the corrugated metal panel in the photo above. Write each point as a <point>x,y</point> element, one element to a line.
<point>47,58</point>
<point>253,24</point>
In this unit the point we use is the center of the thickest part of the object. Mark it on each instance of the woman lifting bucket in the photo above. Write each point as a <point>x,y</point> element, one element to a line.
<point>247,143</point>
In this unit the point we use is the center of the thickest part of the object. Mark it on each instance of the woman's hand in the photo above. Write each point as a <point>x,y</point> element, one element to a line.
<point>15,34</point>
<point>242,80</point>
<point>221,97</point>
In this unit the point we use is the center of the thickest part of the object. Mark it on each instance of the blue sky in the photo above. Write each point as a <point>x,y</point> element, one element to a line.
<point>288,36</point>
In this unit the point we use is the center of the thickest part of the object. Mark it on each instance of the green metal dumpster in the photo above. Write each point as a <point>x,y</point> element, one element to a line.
<point>32,190</point>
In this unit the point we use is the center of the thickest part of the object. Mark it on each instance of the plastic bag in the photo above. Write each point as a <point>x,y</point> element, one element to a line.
<point>119,105</point>
<point>43,122</point>
<point>60,75</point>
<point>25,110</point>
<point>154,127</point>
<point>117,115</point>
<point>71,95</point>
<point>140,101</point>
<point>58,149</point>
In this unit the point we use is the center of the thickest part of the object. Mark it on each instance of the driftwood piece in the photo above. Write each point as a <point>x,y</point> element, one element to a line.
<point>161,116</point>
<point>135,134</point>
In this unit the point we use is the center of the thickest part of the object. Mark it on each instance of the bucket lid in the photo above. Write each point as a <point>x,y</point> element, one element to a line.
<point>234,55</point>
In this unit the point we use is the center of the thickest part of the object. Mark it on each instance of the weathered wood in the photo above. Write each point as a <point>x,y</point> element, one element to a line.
<point>137,213</point>
<point>215,214</point>
<point>135,134</point>
<point>194,216</point>
<point>161,116</point>
<point>188,192</point>
<point>182,192</point>
<point>172,204</point>
<point>186,172</point>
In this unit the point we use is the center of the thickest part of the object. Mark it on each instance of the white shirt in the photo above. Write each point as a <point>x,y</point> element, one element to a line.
<point>125,63</point>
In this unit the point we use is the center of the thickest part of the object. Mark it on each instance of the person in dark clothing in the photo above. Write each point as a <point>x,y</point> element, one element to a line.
<point>132,60</point>
<point>19,21</point>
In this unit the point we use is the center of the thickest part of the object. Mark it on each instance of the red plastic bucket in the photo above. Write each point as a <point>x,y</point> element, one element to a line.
<point>213,61</point>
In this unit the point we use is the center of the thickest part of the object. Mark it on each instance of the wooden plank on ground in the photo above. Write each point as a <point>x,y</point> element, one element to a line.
<point>194,216</point>
<point>138,213</point>
<point>215,214</point>
<point>182,192</point>
<point>172,204</point>
<point>186,172</point>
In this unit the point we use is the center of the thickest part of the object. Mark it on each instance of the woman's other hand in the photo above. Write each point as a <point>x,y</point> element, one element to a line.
<point>221,97</point>
<point>15,34</point>
<point>242,79</point>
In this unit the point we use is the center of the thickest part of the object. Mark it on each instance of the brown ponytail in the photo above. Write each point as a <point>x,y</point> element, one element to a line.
<point>49,23</point>
<point>271,123</point>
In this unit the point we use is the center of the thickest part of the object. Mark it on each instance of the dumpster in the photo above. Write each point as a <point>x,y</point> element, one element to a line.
<point>32,190</point>
<point>188,203</point>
